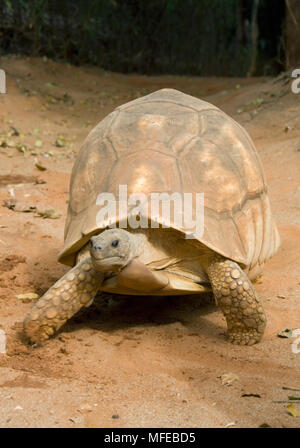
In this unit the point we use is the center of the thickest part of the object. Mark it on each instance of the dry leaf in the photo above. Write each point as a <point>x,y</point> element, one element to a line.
<point>286,333</point>
<point>228,378</point>
<point>230,424</point>
<point>290,388</point>
<point>60,143</point>
<point>291,408</point>
<point>14,131</point>
<point>27,297</point>
<point>19,206</point>
<point>40,181</point>
<point>251,395</point>
<point>21,147</point>
<point>85,408</point>
<point>50,214</point>
<point>40,167</point>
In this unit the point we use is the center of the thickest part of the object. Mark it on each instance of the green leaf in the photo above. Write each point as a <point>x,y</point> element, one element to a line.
<point>38,143</point>
<point>60,143</point>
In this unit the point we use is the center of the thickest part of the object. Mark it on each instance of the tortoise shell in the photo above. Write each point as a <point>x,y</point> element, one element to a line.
<point>172,142</point>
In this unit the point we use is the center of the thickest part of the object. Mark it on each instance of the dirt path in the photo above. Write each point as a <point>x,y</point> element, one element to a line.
<point>127,362</point>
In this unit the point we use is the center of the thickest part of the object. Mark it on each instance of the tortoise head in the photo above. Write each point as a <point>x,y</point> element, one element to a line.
<point>112,250</point>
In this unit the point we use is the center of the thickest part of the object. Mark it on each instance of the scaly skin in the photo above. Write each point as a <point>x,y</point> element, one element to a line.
<point>234,293</point>
<point>73,291</point>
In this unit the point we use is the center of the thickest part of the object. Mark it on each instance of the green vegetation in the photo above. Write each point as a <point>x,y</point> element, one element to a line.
<point>198,37</point>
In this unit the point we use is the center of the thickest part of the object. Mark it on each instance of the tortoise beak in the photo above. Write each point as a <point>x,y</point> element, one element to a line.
<point>96,248</point>
<point>101,260</point>
<point>95,244</point>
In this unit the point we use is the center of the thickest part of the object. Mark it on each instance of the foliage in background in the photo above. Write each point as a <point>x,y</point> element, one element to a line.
<point>198,37</point>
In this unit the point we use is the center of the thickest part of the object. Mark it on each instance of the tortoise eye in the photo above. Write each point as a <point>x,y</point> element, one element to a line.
<point>115,243</point>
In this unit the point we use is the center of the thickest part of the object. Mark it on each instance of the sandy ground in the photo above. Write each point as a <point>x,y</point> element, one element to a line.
<point>124,362</point>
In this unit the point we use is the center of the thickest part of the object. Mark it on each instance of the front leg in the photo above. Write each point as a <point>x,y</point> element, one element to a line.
<point>236,296</point>
<point>76,289</point>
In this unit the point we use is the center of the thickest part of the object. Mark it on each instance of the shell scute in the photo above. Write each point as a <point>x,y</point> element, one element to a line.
<point>171,142</point>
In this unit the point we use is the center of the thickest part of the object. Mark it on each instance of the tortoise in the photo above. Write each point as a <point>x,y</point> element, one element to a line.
<point>165,142</point>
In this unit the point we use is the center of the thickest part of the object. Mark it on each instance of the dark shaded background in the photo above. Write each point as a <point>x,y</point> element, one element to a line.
<point>196,37</point>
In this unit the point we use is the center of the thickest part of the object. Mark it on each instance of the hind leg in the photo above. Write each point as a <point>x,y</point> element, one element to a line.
<point>236,296</point>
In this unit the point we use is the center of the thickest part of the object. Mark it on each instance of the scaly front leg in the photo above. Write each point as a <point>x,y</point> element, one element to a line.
<point>73,291</point>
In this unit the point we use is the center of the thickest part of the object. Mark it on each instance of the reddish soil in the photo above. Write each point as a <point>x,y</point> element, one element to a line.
<point>152,362</point>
